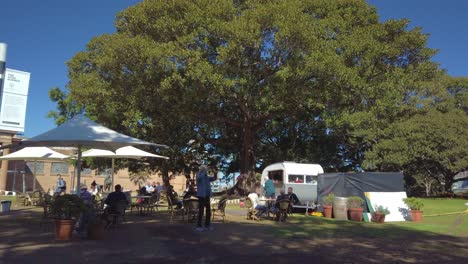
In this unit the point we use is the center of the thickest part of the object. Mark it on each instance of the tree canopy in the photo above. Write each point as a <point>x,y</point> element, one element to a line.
<point>250,82</point>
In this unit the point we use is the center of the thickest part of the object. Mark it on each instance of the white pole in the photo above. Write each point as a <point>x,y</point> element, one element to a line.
<point>34,176</point>
<point>112,175</point>
<point>13,188</point>
<point>78,168</point>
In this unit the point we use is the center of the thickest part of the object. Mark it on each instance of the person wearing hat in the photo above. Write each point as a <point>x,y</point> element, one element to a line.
<point>85,216</point>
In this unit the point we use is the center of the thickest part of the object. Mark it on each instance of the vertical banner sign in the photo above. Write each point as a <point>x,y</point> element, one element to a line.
<point>14,99</point>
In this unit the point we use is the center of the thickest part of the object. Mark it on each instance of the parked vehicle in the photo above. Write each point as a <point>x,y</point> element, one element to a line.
<point>301,177</point>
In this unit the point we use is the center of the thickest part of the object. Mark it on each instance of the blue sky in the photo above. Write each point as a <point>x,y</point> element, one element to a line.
<point>43,35</point>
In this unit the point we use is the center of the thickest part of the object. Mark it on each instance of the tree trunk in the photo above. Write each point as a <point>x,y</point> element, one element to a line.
<point>428,185</point>
<point>247,156</point>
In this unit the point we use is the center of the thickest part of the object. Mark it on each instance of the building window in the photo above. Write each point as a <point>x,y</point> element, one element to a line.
<point>105,173</point>
<point>36,167</point>
<point>59,168</point>
<point>86,172</point>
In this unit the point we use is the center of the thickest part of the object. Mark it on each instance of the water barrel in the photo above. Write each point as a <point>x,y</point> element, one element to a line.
<point>340,209</point>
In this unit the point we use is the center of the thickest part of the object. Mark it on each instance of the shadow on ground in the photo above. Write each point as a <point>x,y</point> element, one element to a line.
<point>152,239</point>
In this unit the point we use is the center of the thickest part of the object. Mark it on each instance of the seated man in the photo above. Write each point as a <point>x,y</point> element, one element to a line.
<point>112,200</point>
<point>85,216</point>
<point>256,202</point>
<point>293,196</point>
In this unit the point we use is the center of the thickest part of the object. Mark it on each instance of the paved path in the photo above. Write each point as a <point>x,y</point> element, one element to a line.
<point>154,240</point>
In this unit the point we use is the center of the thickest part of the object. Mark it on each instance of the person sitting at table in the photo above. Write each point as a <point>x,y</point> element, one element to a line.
<point>189,191</point>
<point>292,196</point>
<point>111,201</point>
<point>158,187</point>
<point>93,190</point>
<point>171,194</point>
<point>149,188</point>
<point>261,209</point>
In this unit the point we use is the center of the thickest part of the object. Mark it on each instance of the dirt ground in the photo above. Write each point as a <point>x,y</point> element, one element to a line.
<point>151,239</point>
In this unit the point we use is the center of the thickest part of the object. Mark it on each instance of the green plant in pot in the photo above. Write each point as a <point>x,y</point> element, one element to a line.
<point>328,204</point>
<point>415,205</point>
<point>66,209</point>
<point>379,214</point>
<point>355,208</point>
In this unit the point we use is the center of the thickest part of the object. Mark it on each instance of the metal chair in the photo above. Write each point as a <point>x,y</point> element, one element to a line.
<point>219,209</point>
<point>117,211</point>
<point>283,209</point>
<point>191,208</point>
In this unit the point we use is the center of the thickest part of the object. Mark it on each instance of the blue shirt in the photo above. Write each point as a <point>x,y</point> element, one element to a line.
<point>203,184</point>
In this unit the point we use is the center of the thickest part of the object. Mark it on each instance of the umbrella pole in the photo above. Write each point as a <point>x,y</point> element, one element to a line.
<point>13,188</point>
<point>34,176</point>
<point>112,175</point>
<point>78,170</point>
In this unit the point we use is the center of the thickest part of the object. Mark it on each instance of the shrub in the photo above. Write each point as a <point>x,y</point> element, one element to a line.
<point>328,199</point>
<point>355,202</point>
<point>67,206</point>
<point>414,203</point>
<point>381,209</point>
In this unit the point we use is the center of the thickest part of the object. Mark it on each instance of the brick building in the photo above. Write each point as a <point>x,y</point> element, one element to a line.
<point>20,173</point>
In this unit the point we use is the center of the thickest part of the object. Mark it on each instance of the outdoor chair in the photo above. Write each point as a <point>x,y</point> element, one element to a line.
<point>151,204</point>
<point>172,210</point>
<point>118,211</point>
<point>46,206</point>
<point>219,209</point>
<point>190,209</point>
<point>37,198</point>
<point>251,211</point>
<point>162,202</point>
<point>283,209</point>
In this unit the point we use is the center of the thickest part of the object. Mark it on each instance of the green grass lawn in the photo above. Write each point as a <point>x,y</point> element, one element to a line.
<point>8,198</point>
<point>455,225</point>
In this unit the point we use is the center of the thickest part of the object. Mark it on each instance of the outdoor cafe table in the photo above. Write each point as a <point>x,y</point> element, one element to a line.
<point>145,200</point>
<point>269,203</point>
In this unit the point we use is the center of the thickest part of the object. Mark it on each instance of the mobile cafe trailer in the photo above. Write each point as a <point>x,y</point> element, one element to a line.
<point>300,176</point>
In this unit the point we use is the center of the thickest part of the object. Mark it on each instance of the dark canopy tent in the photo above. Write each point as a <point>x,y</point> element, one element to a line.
<point>356,184</point>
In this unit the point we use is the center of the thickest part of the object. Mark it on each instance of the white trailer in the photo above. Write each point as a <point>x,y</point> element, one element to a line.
<point>300,176</point>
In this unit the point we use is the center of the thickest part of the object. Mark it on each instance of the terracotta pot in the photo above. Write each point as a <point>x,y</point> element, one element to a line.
<point>355,214</point>
<point>327,211</point>
<point>416,215</point>
<point>379,218</point>
<point>96,231</point>
<point>64,229</point>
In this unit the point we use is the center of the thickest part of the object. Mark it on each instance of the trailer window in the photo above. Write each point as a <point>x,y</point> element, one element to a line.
<point>294,178</point>
<point>276,176</point>
<point>311,179</point>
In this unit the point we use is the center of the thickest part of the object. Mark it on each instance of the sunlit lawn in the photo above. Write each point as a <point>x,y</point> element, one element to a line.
<point>456,225</point>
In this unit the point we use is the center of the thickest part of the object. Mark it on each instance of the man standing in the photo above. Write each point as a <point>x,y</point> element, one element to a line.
<point>269,188</point>
<point>60,186</point>
<point>204,194</point>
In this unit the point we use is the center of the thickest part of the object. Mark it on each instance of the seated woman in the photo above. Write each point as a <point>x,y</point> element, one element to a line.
<point>261,209</point>
<point>171,194</point>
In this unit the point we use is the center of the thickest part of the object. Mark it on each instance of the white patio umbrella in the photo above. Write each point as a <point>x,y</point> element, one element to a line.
<point>81,132</point>
<point>35,154</point>
<point>127,152</point>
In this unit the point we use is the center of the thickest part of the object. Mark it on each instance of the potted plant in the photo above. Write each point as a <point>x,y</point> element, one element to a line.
<point>66,209</point>
<point>355,208</point>
<point>415,205</point>
<point>328,205</point>
<point>379,214</point>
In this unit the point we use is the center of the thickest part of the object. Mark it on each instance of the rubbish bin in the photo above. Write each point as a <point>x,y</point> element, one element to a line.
<point>6,206</point>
